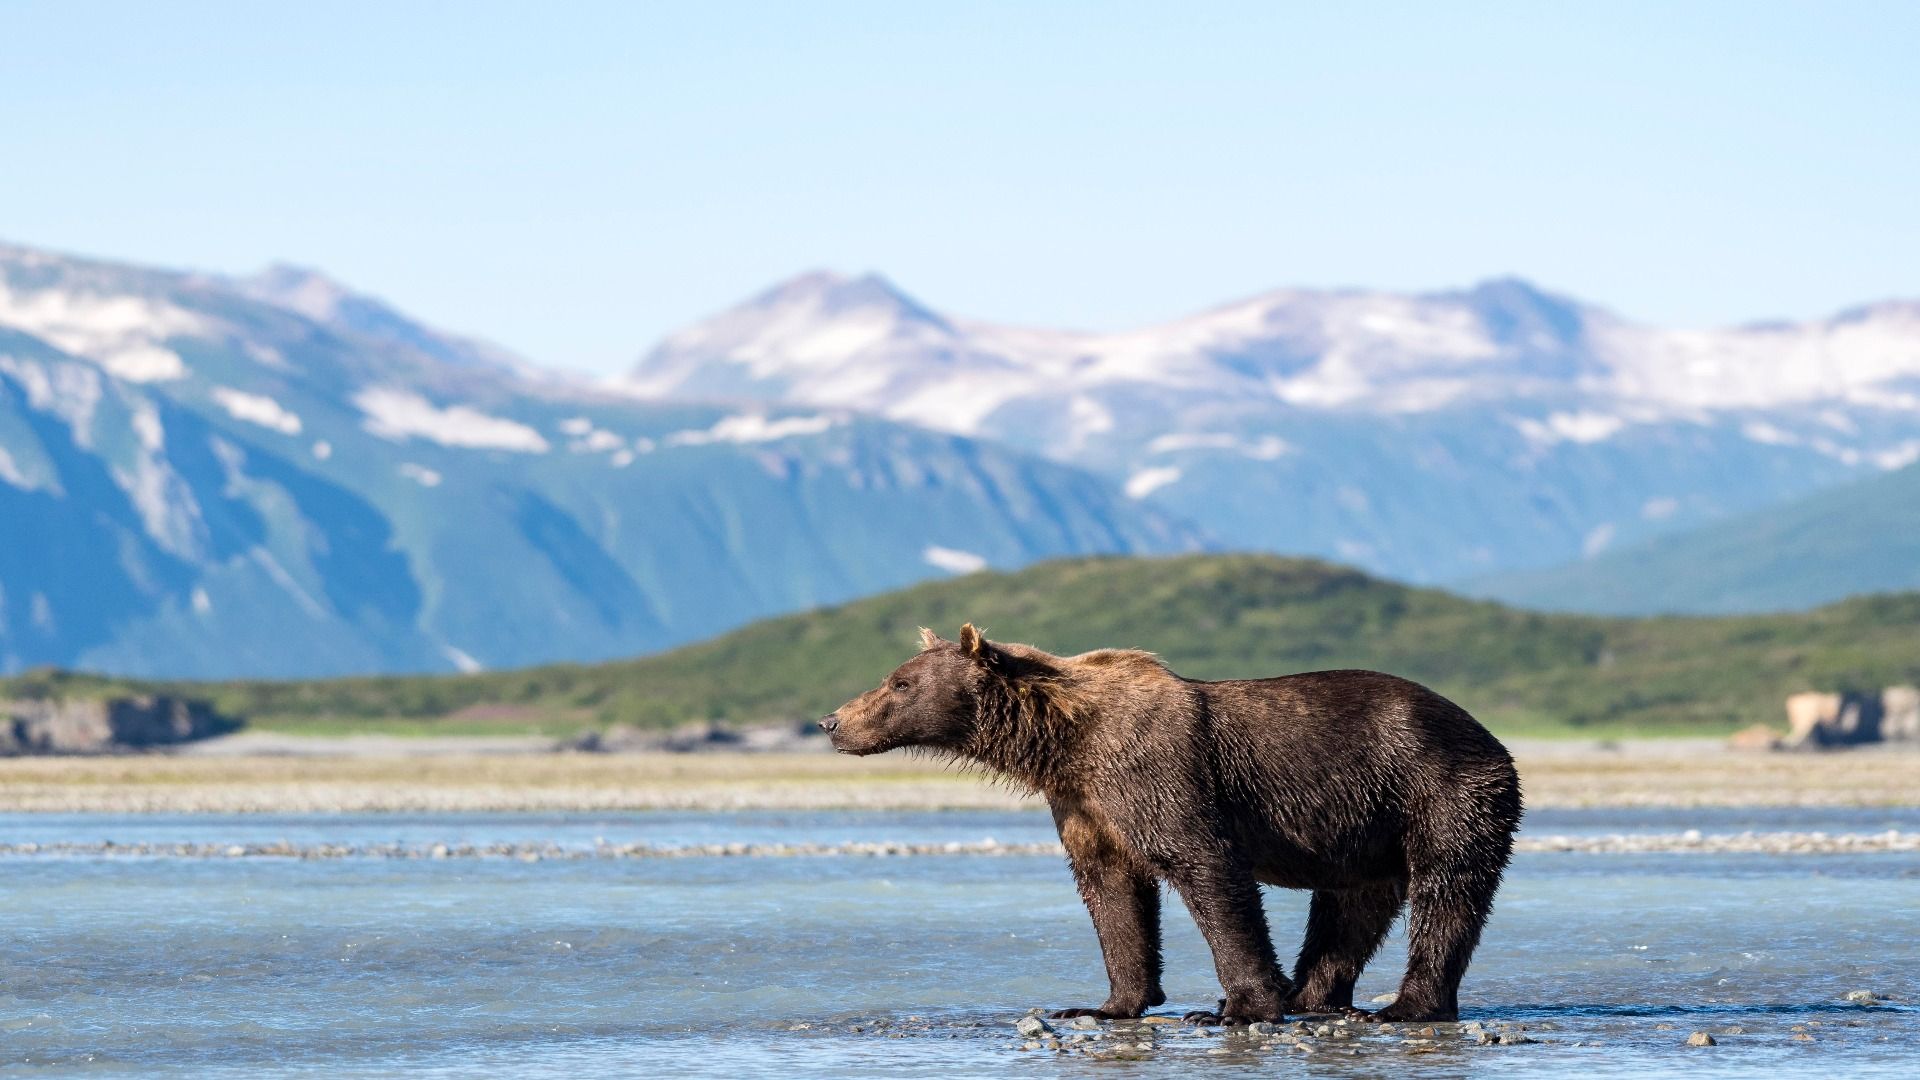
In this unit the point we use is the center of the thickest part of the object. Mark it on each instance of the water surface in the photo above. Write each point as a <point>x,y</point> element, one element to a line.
<point>838,966</point>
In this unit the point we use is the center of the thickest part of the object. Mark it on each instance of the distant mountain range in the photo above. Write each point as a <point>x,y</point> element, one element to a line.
<point>275,475</point>
<point>1857,538</point>
<point>1433,438</point>
<point>202,476</point>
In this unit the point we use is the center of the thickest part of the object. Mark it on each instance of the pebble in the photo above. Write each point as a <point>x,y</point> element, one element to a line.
<point>1701,1038</point>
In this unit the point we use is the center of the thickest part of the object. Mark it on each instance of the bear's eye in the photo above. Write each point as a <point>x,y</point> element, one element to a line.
<point>902,684</point>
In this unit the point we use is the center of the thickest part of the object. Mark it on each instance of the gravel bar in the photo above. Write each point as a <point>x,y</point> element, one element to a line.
<point>1691,842</point>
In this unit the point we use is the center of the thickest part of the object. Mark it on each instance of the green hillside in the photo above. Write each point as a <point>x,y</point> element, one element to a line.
<point>1209,616</point>
<point>1862,537</point>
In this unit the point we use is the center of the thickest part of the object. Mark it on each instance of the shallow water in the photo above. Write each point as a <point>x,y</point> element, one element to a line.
<point>363,966</point>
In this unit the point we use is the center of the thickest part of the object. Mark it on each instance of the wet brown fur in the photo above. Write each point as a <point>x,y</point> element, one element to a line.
<point>1368,790</point>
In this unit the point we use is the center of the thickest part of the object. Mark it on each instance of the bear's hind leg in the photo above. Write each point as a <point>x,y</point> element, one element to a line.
<point>1344,929</point>
<point>1448,911</point>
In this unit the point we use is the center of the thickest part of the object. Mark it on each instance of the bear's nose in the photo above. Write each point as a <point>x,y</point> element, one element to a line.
<point>829,722</point>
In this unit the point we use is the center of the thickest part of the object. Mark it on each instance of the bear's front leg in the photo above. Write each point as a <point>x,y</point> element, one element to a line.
<point>1124,900</point>
<point>1225,901</point>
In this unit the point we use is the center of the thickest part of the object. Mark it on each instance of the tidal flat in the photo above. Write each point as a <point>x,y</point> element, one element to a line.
<point>466,776</point>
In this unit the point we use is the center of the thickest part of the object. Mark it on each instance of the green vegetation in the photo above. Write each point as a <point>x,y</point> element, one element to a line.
<point>1211,617</point>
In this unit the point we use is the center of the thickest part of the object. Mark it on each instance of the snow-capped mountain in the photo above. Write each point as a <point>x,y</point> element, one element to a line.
<point>202,476</point>
<point>1431,437</point>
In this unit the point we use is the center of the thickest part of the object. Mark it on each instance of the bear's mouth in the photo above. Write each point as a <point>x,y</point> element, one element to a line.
<point>842,746</point>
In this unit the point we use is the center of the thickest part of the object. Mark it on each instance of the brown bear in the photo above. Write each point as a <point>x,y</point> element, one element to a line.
<point>1365,788</point>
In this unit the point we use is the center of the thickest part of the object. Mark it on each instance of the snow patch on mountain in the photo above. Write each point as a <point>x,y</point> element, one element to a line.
<point>953,560</point>
<point>165,504</point>
<point>123,334</point>
<point>585,438</point>
<point>68,390</point>
<point>1145,482</point>
<point>1264,448</point>
<point>257,409</point>
<point>752,428</point>
<point>297,289</point>
<point>461,661</point>
<point>1897,457</point>
<point>420,474</point>
<point>395,415</point>
<point>147,429</point>
<point>1574,427</point>
<point>10,472</point>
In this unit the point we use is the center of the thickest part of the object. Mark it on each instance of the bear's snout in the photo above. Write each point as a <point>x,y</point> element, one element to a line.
<point>829,722</point>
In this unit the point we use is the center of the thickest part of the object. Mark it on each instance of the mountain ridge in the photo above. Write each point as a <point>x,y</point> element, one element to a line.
<point>254,491</point>
<point>1431,437</point>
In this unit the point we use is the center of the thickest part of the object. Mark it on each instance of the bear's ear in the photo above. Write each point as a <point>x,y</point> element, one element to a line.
<point>929,639</point>
<point>983,652</point>
<point>972,643</point>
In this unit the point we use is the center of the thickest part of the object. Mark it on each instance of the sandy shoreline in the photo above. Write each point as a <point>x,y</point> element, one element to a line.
<point>422,775</point>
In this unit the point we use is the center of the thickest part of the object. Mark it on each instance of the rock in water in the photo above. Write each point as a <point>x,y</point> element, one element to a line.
<point>1864,997</point>
<point>1031,1026</point>
<point>1085,1023</point>
<point>1384,999</point>
<point>1701,1038</point>
<point>1515,1038</point>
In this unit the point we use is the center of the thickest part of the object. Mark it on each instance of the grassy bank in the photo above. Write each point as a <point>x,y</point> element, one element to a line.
<point>1211,617</point>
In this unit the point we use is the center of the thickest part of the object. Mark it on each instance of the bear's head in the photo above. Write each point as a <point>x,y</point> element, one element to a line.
<point>930,701</point>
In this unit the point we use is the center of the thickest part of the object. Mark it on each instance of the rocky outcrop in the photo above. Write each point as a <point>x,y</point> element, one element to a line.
<point>103,725</point>
<point>1900,714</point>
<point>1820,720</point>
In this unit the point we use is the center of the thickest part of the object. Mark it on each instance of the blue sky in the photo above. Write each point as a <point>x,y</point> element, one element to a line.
<point>572,180</point>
